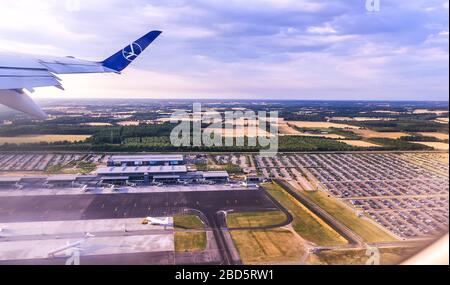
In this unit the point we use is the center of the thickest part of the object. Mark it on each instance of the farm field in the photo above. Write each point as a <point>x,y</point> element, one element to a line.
<point>239,132</point>
<point>435,145</point>
<point>439,136</point>
<point>442,120</point>
<point>129,123</point>
<point>359,143</point>
<point>369,134</point>
<point>321,125</point>
<point>325,136</point>
<point>42,138</point>
<point>361,119</point>
<point>426,111</point>
<point>285,130</point>
<point>97,124</point>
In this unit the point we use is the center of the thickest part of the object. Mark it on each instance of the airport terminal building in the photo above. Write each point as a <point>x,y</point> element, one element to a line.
<point>148,169</point>
<point>124,170</point>
<point>146,160</point>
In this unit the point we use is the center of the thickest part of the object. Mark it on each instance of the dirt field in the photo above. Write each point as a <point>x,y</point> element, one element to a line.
<point>442,120</point>
<point>42,138</point>
<point>359,143</point>
<point>97,124</point>
<point>321,125</point>
<point>435,145</point>
<point>240,132</point>
<point>361,119</point>
<point>326,136</point>
<point>128,123</point>
<point>369,134</point>
<point>439,136</point>
<point>426,111</point>
<point>286,130</point>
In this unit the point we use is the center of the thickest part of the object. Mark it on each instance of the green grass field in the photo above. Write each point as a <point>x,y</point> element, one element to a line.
<point>190,235</point>
<point>242,220</point>
<point>190,241</point>
<point>189,222</point>
<point>267,247</point>
<point>306,224</point>
<point>364,228</point>
<point>389,256</point>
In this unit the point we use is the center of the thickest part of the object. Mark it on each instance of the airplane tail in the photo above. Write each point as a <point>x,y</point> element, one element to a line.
<point>127,55</point>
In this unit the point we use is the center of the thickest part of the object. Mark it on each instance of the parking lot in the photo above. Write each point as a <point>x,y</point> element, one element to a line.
<point>243,161</point>
<point>41,162</point>
<point>407,194</point>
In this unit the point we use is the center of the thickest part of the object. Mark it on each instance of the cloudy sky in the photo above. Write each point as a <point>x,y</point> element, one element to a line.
<point>251,49</point>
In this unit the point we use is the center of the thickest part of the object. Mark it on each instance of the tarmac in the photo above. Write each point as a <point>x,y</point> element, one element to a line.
<point>114,221</point>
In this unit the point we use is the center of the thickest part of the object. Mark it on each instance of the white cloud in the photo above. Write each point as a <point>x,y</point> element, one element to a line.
<point>326,29</point>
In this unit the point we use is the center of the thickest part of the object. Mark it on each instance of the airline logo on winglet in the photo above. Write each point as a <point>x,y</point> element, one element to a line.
<point>132,51</point>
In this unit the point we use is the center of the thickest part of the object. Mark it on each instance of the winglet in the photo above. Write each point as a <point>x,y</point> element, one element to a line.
<point>127,55</point>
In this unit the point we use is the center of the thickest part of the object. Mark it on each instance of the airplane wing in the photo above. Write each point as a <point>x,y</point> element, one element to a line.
<point>20,74</point>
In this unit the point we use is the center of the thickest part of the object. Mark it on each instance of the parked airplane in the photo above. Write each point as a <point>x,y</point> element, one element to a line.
<point>20,74</point>
<point>156,222</point>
